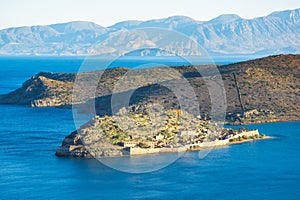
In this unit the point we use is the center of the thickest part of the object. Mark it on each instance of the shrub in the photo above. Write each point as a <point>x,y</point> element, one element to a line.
<point>245,137</point>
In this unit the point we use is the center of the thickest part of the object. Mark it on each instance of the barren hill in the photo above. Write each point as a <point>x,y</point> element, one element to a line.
<point>265,89</point>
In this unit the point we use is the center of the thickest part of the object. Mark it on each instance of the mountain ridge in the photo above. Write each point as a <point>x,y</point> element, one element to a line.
<point>275,33</point>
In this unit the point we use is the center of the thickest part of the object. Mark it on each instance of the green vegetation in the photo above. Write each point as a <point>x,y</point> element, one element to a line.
<point>144,145</point>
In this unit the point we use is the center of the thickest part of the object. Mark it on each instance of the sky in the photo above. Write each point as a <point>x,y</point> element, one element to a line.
<point>14,13</point>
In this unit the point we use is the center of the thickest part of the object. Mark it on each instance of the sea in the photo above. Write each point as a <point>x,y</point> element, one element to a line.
<point>262,169</point>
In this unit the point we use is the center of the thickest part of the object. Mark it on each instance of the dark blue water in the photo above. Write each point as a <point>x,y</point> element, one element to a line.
<point>265,169</point>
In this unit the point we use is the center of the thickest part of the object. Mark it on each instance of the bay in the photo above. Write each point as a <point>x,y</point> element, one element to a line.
<point>263,169</point>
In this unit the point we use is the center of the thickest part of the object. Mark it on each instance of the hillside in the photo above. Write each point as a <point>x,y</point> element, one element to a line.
<point>259,90</point>
<point>276,33</point>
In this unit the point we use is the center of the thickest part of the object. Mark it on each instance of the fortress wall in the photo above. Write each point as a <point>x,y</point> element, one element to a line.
<point>247,133</point>
<point>213,143</point>
<point>173,150</point>
<point>138,151</point>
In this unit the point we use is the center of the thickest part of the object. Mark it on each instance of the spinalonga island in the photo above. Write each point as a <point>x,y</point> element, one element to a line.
<point>136,133</point>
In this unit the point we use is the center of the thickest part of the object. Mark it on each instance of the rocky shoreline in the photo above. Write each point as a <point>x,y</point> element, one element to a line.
<point>87,154</point>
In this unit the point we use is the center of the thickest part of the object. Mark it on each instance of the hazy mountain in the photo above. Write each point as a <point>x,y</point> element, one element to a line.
<point>278,32</point>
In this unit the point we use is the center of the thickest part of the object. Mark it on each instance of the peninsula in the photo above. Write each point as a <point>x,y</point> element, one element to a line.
<point>257,91</point>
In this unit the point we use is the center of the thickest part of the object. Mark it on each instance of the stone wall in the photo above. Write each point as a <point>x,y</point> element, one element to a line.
<point>213,143</point>
<point>246,133</point>
<point>139,151</point>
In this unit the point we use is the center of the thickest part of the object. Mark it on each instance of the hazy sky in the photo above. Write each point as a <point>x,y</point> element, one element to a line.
<point>38,12</point>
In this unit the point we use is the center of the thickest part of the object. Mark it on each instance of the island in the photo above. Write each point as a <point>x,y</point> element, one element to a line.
<point>135,133</point>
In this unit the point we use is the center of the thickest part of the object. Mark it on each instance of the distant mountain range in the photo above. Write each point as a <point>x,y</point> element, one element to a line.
<point>276,33</point>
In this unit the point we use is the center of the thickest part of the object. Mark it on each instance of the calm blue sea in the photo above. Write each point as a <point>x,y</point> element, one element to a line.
<point>265,169</point>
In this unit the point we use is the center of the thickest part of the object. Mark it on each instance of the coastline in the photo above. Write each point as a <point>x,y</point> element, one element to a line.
<point>261,122</point>
<point>249,140</point>
<point>173,150</point>
<point>135,151</point>
<point>232,143</point>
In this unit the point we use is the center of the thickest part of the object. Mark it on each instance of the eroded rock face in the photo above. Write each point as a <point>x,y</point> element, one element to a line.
<point>72,146</point>
<point>43,89</point>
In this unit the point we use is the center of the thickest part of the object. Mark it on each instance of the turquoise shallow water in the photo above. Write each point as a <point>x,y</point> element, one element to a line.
<point>265,169</point>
